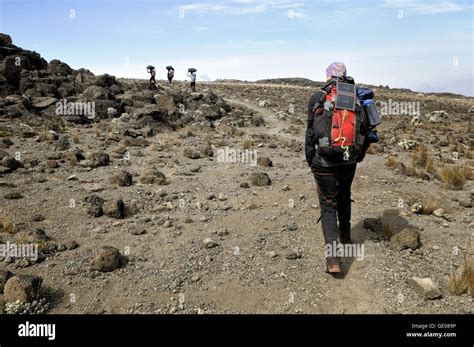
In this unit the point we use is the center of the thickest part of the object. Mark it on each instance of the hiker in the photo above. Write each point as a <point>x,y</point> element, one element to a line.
<point>170,73</point>
<point>192,75</point>
<point>151,70</point>
<point>338,135</point>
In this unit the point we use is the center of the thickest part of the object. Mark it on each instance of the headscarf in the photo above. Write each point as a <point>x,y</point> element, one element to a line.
<point>335,70</point>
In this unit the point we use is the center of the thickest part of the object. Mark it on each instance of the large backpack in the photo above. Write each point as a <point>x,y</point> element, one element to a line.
<point>339,122</point>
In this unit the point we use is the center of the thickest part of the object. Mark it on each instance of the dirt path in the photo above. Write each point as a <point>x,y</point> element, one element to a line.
<point>274,126</point>
<point>351,292</point>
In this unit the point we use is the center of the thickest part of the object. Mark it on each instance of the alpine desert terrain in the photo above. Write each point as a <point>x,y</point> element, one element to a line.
<point>154,199</point>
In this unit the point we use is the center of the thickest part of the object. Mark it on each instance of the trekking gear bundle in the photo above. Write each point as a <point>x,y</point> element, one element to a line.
<point>339,122</point>
<point>192,70</point>
<point>169,67</point>
<point>150,68</point>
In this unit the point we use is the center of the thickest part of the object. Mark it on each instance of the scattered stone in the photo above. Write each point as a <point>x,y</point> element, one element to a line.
<point>111,112</point>
<point>99,158</point>
<point>42,102</point>
<point>406,238</point>
<point>264,161</point>
<point>10,162</point>
<point>191,154</point>
<point>94,205</point>
<point>71,244</point>
<point>114,209</point>
<point>292,226</point>
<point>425,287</point>
<point>4,276</point>
<point>223,232</point>
<point>23,288</point>
<point>271,254</point>
<point>74,156</point>
<point>209,243</point>
<point>122,179</point>
<point>106,259</point>
<point>13,195</point>
<point>294,254</point>
<point>52,164</point>
<point>137,231</point>
<point>438,212</point>
<point>373,224</point>
<point>244,185</point>
<point>152,176</point>
<point>260,179</point>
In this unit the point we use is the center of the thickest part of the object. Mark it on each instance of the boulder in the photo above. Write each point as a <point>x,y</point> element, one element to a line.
<point>5,40</point>
<point>66,89</point>
<point>122,179</point>
<point>106,259</point>
<point>114,209</point>
<point>4,276</point>
<point>94,93</point>
<point>425,287</point>
<point>152,176</point>
<point>10,71</point>
<point>406,238</point>
<point>105,81</point>
<point>23,288</point>
<point>43,102</point>
<point>166,103</point>
<point>57,67</point>
<point>264,161</point>
<point>260,179</point>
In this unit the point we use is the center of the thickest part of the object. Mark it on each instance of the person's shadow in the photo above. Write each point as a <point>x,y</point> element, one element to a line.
<point>378,228</point>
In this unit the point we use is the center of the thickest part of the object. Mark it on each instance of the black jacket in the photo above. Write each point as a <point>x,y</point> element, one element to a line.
<point>312,158</point>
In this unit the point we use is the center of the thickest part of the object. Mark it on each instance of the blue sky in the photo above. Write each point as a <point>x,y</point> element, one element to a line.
<point>424,45</point>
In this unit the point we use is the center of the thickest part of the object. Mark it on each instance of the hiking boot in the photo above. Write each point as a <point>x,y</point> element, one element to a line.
<point>333,265</point>
<point>345,234</point>
<point>345,239</point>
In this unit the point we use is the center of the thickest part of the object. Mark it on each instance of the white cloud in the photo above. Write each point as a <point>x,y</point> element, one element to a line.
<point>426,7</point>
<point>242,7</point>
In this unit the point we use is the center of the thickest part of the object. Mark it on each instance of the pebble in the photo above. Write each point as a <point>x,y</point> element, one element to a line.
<point>292,226</point>
<point>209,243</point>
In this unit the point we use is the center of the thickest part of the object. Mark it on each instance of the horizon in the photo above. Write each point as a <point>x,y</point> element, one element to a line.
<point>413,44</point>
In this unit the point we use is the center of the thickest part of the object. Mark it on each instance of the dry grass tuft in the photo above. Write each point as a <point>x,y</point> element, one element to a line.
<point>391,162</point>
<point>247,144</point>
<point>453,176</point>
<point>462,281</point>
<point>7,226</point>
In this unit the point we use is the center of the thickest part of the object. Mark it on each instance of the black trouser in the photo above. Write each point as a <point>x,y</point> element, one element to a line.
<point>193,86</point>
<point>152,79</point>
<point>334,190</point>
